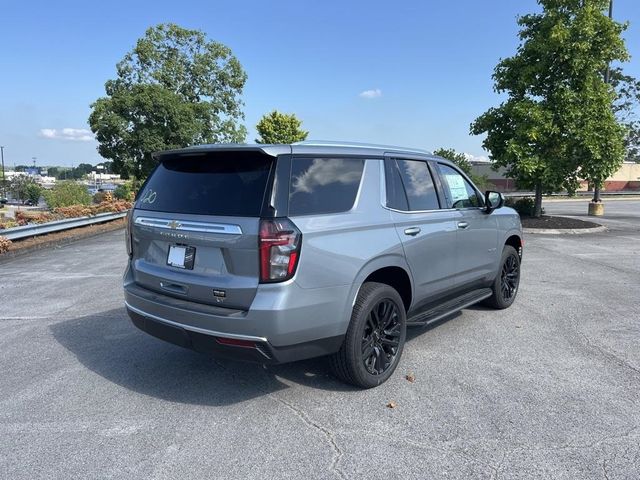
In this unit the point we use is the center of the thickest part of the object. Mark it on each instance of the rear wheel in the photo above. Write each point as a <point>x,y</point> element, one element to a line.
<point>375,337</point>
<point>505,286</point>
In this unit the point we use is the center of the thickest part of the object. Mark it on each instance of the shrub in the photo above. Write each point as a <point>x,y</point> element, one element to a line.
<point>5,243</point>
<point>123,192</point>
<point>525,206</point>
<point>73,211</point>
<point>86,211</point>
<point>33,217</point>
<point>8,223</point>
<point>99,197</point>
<point>65,194</point>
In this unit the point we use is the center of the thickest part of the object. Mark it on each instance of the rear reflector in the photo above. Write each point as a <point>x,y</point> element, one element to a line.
<point>234,342</point>
<point>280,242</point>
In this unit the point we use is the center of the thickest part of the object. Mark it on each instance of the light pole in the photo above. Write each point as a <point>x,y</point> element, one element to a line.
<point>596,207</point>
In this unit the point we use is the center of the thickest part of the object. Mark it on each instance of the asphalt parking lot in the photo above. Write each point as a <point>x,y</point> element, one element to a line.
<point>549,388</point>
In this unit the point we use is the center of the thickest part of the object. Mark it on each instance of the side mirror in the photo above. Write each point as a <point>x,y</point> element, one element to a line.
<point>493,200</point>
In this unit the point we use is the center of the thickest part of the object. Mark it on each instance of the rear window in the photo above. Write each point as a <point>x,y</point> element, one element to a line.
<point>324,185</point>
<point>228,184</point>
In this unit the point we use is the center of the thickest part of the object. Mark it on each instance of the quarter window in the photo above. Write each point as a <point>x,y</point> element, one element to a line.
<point>460,192</point>
<point>324,185</point>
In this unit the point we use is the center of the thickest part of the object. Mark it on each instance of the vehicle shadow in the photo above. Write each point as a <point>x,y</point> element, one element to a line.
<point>110,345</point>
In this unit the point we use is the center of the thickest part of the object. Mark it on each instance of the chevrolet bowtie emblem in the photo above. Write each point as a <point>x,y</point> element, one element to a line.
<point>174,224</point>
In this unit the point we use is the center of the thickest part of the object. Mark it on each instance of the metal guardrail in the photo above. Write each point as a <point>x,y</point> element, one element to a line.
<point>17,233</point>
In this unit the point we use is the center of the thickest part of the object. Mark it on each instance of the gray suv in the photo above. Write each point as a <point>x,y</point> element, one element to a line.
<point>277,253</point>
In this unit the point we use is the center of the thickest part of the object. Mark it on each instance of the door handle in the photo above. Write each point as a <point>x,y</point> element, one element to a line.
<point>413,231</point>
<point>463,225</point>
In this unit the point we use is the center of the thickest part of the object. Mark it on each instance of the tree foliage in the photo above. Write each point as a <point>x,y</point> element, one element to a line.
<point>67,193</point>
<point>276,127</point>
<point>33,192</point>
<point>175,88</point>
<point>21,186</point>
<point>626,108</point>
<point>557,124</point>
<point>123,192</point>
<point>456,157</point>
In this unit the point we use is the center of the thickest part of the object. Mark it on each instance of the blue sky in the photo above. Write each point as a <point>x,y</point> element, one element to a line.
<point>430,62</point>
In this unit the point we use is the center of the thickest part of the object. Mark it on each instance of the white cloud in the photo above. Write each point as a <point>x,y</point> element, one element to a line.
<point>476,158</point>
<point>323,172</point>
<point>371,93</point>
<point>73,134</point>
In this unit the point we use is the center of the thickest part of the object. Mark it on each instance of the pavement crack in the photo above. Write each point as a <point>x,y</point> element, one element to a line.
<point>449,451</point>
<point>337,451</point>
<point>606,353</point>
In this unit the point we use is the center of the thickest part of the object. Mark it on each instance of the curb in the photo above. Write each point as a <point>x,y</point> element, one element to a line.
<point>565,231</point>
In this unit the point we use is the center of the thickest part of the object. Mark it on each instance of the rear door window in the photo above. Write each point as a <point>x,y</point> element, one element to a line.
<point>221,183</point>
<point>324,185</point>
<point>410,186</point>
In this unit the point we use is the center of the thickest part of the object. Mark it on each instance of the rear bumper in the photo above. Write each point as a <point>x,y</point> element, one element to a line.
<point>285,322</point>
<point>261,352</point>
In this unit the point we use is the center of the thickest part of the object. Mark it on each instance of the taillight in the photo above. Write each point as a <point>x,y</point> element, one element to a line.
<point>127,232</point>
<point>280,242</point>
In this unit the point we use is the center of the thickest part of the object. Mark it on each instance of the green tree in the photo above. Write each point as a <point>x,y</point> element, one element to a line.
<point>626,108</point>
<point>276,127</point>
<point>175,88</point>
<point>123,192</point>
<point>67,193</point>
<point>557,123</point>
<point>20,187</point>
<point>458,158</point>
<point>33,192</point>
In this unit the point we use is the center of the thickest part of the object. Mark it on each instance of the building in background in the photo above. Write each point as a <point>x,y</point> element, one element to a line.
<point>39,176</point>
<point>626,179</point>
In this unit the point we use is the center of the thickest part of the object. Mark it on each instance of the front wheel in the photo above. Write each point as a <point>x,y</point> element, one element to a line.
<point>505,286</point>
<point>375,337</point>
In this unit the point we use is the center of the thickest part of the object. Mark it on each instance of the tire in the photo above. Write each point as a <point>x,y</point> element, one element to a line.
<point>371,351</point>
<point>505,286</point>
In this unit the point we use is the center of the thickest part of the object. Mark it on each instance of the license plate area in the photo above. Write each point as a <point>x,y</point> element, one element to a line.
<point>181,256</point>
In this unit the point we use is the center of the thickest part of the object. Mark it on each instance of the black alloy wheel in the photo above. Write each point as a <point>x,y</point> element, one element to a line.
<point>375,338</point>
<point>505,285</point>
<point>381,337</point>
<point>509,278</point>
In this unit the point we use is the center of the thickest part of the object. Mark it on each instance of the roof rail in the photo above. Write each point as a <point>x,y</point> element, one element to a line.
<point>329,143</point>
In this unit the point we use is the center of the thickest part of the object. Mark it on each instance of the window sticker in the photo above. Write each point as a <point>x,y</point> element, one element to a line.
<point>457,188</point>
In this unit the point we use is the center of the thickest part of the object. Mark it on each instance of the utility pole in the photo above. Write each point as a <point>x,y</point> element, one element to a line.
<point>596,207</point>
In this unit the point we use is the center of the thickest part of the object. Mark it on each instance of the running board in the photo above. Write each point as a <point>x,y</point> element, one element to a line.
<point>445,309</point>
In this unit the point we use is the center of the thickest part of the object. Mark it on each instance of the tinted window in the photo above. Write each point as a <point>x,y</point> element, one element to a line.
<point>460,192</point>
<point>323,185</point>
<point>396,196</point>
<point>213,184</point>
<point>413,178</point>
